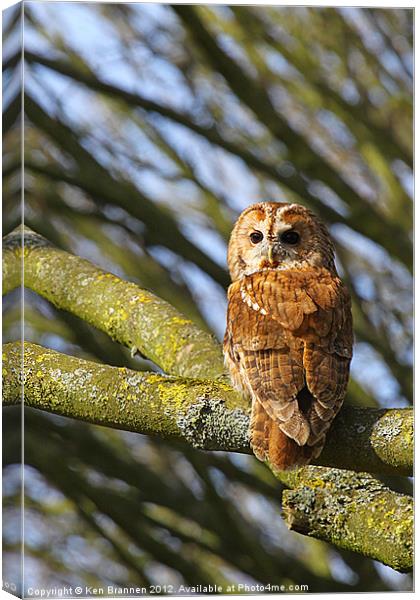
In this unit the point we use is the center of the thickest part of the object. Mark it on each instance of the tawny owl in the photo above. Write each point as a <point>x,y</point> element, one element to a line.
<point>288,342</point>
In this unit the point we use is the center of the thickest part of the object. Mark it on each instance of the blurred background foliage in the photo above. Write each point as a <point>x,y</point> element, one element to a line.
<point>147,129</point>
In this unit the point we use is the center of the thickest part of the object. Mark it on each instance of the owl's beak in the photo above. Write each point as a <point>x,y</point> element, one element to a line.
<point>270,255</point>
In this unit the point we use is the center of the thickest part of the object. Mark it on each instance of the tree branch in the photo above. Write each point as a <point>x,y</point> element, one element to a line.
<point>203,413</point>
<point>331,504</point>
<point>360,439</point>
<point>206,414</point>
<point>127,313</point>
<point>354,511</point>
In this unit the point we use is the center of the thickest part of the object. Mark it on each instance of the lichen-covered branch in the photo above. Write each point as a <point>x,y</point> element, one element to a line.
<point>127,313</point>
<point>371,439</point>
<point>353,511</point>
<point>376,441</point>
<point>204,413</point>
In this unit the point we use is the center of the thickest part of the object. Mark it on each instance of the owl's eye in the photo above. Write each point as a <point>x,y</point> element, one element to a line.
<point>256,237</point>
<point>290,237</point>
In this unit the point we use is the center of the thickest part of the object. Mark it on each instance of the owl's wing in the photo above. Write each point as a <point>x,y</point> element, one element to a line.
<point>290,338</point>
<point>326,360</point>
<point>275,378</point>
<point>262,353</point>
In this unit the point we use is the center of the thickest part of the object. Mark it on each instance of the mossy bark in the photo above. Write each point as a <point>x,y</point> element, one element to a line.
<point>206,414</point>
<point>353,511</point>
<point>372,439</point>
<point>127,313</point>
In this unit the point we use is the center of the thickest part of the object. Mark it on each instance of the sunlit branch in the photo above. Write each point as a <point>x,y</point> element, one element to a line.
<point>206,414</point>
<point>127,313</point>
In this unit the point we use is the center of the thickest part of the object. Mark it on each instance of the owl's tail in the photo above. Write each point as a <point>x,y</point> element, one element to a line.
<point>268,442</point>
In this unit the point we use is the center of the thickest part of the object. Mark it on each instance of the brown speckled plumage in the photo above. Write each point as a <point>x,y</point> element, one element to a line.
<point>288,341</point>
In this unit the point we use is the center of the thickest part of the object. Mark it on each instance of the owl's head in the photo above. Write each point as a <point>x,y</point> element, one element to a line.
<point>278,235</point>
